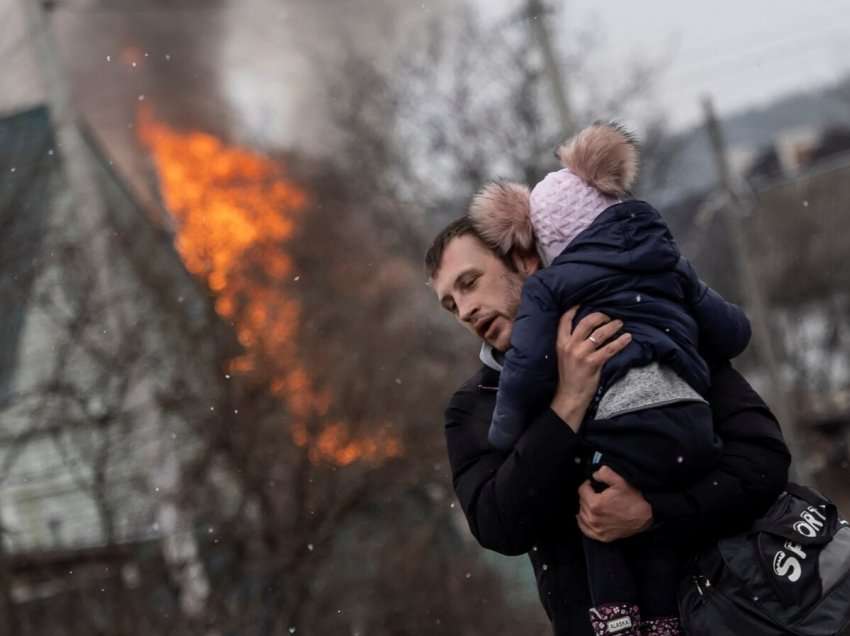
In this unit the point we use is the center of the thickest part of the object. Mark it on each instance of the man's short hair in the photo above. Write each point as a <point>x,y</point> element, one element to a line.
<point>458,227</point>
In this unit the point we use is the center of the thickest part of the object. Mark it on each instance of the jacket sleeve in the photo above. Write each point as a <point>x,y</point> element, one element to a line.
<point>510,499</point>
<point>724,329</point>
<point>530,370</point>
<point>751,472</point>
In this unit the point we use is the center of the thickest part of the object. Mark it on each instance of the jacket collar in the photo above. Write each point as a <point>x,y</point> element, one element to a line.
<point>487,355</point>
<point>488,376</point>
<point>630,235</point>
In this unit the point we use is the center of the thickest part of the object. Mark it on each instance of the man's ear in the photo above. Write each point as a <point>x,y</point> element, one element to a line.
<point>525,262</point>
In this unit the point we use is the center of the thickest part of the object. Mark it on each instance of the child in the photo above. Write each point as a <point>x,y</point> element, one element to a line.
<point>649,420</point>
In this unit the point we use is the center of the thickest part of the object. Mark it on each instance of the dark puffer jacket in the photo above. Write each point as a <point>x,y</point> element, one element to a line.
<point>525,501</point>
<point>626,265</point>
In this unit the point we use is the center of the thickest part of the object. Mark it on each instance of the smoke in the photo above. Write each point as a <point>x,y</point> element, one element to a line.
<point>250,70</point>
<point>278,60</point>
<point>123,53</point>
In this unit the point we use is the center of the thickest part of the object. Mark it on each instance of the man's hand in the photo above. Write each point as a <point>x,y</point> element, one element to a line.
<point>581,354</point>
<point>617,512</point>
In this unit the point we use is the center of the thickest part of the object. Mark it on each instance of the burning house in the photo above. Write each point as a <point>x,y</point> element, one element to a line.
<point>219,405</point>
<point>136,352</point>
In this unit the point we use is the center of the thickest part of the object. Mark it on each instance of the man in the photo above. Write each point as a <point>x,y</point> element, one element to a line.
<point>525,500</point>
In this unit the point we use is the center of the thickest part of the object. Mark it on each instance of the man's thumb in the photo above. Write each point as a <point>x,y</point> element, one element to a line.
<point>607,475</point>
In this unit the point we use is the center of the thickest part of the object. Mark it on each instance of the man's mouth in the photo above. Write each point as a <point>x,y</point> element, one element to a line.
<point>487,328</point>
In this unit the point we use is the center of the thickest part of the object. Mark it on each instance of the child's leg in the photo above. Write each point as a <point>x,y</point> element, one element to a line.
<point>612,589</point>
<point>657,449</point>
<point>608,573</point>
<point>657,566</point>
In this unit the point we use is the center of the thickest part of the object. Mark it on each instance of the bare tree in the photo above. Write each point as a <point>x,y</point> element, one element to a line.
<point>260,444</point>
<point>466,103</point>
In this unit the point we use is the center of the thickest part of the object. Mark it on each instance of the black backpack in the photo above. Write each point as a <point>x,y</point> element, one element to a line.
<point>790,574</point>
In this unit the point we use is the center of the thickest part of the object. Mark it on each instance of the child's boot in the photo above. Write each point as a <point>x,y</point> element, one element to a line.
<point>619,619</point>
<point>667,626</point>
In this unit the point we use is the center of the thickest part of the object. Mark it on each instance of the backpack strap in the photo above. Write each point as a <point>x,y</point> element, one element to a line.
<point>806,494</point>
<point>770,527</point>
<point>811,497</point>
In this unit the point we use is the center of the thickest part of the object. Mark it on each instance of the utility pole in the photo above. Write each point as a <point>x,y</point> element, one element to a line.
<point>7,604</point>
<point>537,15</point>
<point>735,211</point>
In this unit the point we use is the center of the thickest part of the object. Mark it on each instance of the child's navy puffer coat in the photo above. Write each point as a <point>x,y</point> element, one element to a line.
<point>626,265</point>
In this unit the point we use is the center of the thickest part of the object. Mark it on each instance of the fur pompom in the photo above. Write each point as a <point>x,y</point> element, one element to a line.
<point>604,155</point>
<point>502,215</point>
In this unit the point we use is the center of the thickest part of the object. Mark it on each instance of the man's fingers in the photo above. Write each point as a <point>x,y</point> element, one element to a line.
<point>588,504</point>
<point>603,354</point>
<point>603,334</point>
<point>585,521</point>
<point>608,476</point>
<point>588,325</point>
<point>565,327</point>
<point>585,492</point>
<point>588,530</point>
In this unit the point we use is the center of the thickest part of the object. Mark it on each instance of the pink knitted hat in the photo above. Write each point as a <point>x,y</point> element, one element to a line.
<point>562,205</point>
<point>600,166</point>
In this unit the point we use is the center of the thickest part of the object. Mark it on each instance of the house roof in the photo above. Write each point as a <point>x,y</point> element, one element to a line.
<point>26,162</point>
<point>31,177</point>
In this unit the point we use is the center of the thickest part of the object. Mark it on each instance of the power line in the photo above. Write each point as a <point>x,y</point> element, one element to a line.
<point>753,38</point>
<point>741,61</point>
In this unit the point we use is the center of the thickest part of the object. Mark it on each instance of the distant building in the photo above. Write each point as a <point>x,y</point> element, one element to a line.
<point>799,233</point>
<point>797,150</point>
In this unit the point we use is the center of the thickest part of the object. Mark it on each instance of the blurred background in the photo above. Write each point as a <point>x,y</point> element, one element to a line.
<point>222,374</point>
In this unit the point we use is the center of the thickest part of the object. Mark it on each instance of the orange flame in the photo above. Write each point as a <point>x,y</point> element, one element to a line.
<point>235,210</point>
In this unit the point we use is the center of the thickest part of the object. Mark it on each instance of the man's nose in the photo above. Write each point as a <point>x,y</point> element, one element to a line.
<point>467,311</point>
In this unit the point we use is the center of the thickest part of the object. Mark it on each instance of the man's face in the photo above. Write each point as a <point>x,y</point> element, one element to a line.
<point>479,289</point>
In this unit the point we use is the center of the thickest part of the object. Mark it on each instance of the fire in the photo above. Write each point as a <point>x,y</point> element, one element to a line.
<point>234,210</point>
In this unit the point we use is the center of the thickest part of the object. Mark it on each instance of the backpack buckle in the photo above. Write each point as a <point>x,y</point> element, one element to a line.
<point>705,582</point>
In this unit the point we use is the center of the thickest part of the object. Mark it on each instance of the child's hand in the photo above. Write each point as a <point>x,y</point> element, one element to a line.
<point>617,512</point>
<point>581,354</point>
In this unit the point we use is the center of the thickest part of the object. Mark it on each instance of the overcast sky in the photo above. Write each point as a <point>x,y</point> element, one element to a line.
<point>743,52</point>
